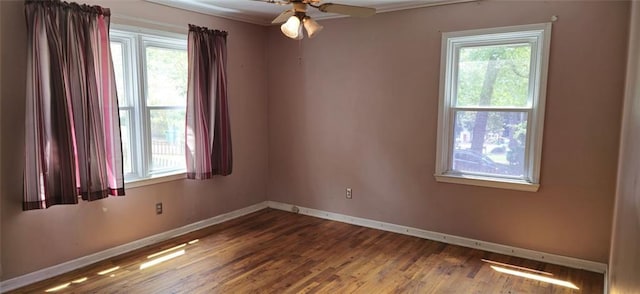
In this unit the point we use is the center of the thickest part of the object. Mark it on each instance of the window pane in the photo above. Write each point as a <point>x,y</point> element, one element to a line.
<point>118,67</point>
<point>125,131</point>
<point>490,142</point>
<point>166,76</point>
<point>167,139</point>
<point>494,75</point>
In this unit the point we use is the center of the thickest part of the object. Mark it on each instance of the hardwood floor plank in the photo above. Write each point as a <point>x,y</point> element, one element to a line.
<point>272,251</point>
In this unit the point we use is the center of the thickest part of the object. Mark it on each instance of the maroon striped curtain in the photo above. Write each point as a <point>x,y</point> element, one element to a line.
<point>208,134</point>
<point>72,132</point>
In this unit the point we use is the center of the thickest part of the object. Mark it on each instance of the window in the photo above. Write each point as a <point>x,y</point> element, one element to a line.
<point>492,94</point>
<point>151,77</point>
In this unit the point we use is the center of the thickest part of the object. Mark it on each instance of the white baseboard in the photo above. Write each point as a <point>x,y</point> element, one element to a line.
<point>68,266</point>
<point>449,239</point>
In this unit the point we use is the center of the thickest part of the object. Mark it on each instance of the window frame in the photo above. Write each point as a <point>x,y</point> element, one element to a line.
<point>539,36</point>
<point>134,41</point>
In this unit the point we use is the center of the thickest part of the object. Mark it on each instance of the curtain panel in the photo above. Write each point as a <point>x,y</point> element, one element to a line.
<point>208,133</point>
<point>72,131</point>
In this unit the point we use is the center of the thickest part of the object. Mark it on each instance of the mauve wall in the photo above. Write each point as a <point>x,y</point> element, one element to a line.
<point>37,239</point>
<point>1,94</point>
<point>624,262</point>
<point>357,107</point>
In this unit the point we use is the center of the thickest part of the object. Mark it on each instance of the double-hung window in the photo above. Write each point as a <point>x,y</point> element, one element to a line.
<point>492,97</point>
<point>151,77</point>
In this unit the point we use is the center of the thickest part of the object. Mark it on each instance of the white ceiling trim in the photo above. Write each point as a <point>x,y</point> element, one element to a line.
<point>234,16</point>
<point>393,8</point>
<point>266,15</point>
<point>430,4</point>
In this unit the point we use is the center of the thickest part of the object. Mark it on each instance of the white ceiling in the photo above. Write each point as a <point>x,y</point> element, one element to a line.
<point>262,13</point>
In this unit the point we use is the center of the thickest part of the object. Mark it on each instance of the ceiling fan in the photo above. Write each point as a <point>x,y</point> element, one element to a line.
<point>295,18</point>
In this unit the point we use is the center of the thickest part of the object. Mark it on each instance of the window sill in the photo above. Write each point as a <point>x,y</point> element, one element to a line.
<point>519,185</point>
<point>154,180</point>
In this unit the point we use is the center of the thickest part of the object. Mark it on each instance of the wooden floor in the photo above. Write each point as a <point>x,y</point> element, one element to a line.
<point>273,251</point>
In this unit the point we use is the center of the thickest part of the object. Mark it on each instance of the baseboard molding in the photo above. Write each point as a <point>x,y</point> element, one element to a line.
<point>65,267</point>
<point>68,266</point>
<point>449,239</point>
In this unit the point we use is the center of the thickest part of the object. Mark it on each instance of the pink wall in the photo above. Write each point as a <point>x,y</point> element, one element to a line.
<point>357,107</point>
<point>624,262</point>
<point>1,79</point>
<point>37,239</point>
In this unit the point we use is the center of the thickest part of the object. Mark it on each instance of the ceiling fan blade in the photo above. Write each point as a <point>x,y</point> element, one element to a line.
<point>279,2</point>
<point>283,16</point>
<point>357,11</point>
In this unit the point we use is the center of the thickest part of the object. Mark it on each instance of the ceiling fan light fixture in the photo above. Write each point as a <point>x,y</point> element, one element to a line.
<point>292,28</point>
<point>296,17</point>
<point>311,26</point>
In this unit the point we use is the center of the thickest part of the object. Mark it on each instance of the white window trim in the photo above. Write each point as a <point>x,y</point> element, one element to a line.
<point>122,33</point>
<point>542,32</point>
<point>135,183</point>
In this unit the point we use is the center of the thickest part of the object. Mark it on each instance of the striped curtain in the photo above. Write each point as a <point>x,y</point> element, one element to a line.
<point>72,132</point>
<point>208,134</point>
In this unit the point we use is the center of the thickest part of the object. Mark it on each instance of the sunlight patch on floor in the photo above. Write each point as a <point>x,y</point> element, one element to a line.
<point>536,277</point>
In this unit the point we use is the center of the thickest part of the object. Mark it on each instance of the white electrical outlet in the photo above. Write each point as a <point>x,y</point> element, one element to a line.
<point>349,193</point>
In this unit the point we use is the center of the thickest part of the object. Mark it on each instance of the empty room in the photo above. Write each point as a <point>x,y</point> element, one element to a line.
<point>310,146</point>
